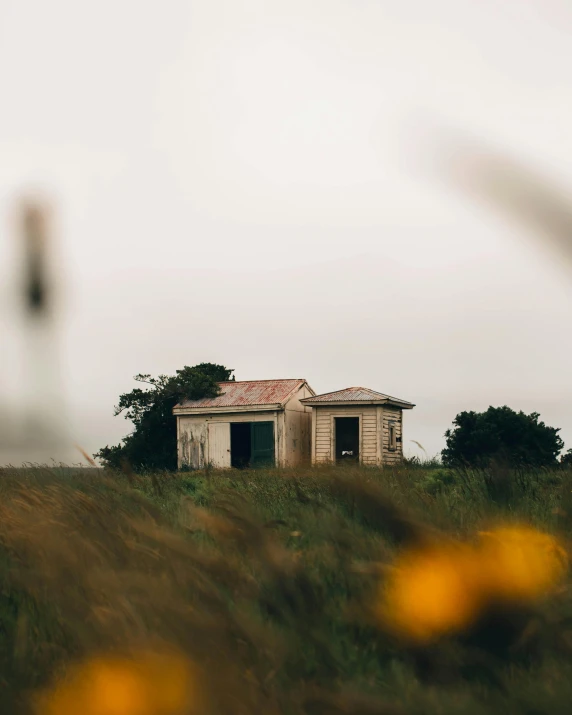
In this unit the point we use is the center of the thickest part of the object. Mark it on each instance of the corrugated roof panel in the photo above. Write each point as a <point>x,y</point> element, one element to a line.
<point>247,393</point>
<point>353,394</point>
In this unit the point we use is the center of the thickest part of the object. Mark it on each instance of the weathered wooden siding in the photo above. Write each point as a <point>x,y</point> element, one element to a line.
<point>324,432</point>
<point>392,414</point>
<point>369,438</point>
<point>323,435</point>
<point>297,430</point>
<point>192,442</point>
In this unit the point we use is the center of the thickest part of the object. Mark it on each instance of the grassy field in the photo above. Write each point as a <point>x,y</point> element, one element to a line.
<point>269,583</point>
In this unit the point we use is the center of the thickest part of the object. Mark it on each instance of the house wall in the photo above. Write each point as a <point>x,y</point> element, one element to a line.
<point>192,433</point>
<point>392,414</point>
<point>297,430</point>
<point>324,434</point>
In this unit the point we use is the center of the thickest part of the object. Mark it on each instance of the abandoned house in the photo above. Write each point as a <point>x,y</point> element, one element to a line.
<point>357,424</point>
<point>251,423</point>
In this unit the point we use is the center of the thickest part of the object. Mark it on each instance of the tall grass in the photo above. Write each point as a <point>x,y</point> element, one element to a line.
<point>268,581</point>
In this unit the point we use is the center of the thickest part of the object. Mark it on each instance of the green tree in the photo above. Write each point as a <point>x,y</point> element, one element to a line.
<point>502,435</point>
<point>153,442</point>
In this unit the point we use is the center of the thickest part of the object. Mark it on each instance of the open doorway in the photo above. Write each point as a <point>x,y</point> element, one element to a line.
<point>347,439</point>
<point>251,444</point>
<point>240,445</point>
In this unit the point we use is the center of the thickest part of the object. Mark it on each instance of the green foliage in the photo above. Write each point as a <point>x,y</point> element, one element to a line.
<point>422,463</point>
<point>501,435</point>
<point>153,442</point>
<point>435,481</point>
<point>566,459</point>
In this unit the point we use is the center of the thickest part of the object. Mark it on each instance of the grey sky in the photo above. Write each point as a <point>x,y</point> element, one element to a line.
<point>236,181</point>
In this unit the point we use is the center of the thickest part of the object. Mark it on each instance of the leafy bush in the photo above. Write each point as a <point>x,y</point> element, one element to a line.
<point>502,436</point>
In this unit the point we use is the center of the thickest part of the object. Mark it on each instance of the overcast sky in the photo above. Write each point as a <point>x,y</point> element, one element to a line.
<point>236,181</point>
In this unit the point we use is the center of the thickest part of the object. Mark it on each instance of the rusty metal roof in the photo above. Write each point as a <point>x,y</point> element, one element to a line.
<point>247,393</point>
<point>356,394</point>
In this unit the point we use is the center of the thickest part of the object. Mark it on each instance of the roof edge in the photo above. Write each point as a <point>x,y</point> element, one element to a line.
<point>276,379</point>
<point>394,401</point>
<point>300,384</point>
<point>227,409</point>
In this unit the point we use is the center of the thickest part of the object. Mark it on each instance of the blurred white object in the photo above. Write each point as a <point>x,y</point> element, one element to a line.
<point>33,427</point>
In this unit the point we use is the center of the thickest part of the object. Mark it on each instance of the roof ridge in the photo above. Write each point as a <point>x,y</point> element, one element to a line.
<point>275,379</point>
<point>333,392</point>
<point>355,387</point>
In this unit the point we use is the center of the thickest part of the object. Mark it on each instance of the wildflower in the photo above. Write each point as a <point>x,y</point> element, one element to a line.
<point>520,563</point>
<point>445,588</point>
<point>432,592</point>
<point>148,684</point>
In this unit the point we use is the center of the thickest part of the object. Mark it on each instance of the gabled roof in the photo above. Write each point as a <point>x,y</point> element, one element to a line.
<point>273,394</point>
<point>359,395</point>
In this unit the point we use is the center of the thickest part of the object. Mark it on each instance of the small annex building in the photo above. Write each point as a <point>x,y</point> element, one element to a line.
<point>251,423</point>
<point>357,424</point>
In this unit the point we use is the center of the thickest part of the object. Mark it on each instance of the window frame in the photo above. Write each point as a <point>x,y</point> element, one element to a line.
<point>392,436</point>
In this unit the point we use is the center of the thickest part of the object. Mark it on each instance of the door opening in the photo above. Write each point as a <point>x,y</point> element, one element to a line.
<point>347,439</point>
<point>251,444</point>
<point>240,444</point>
<point>262,451</point>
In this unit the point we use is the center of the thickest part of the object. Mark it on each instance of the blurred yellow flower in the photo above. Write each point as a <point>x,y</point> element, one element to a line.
<point>444,588</point>
<point>432,592</point>
<point>146,684</point>
<point>521,564</point>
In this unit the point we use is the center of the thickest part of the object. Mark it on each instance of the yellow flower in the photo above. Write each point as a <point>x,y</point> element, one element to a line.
<point>432,592</point>
<point>148,684</point>
<point>445,588</point>
<point>520,563</point>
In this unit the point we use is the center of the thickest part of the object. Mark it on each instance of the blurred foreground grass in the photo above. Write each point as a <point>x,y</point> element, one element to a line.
<point>268,584</point>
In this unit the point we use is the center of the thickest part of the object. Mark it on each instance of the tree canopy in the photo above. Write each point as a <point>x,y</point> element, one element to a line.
<point>153,442</point>
<point>503,435</point>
